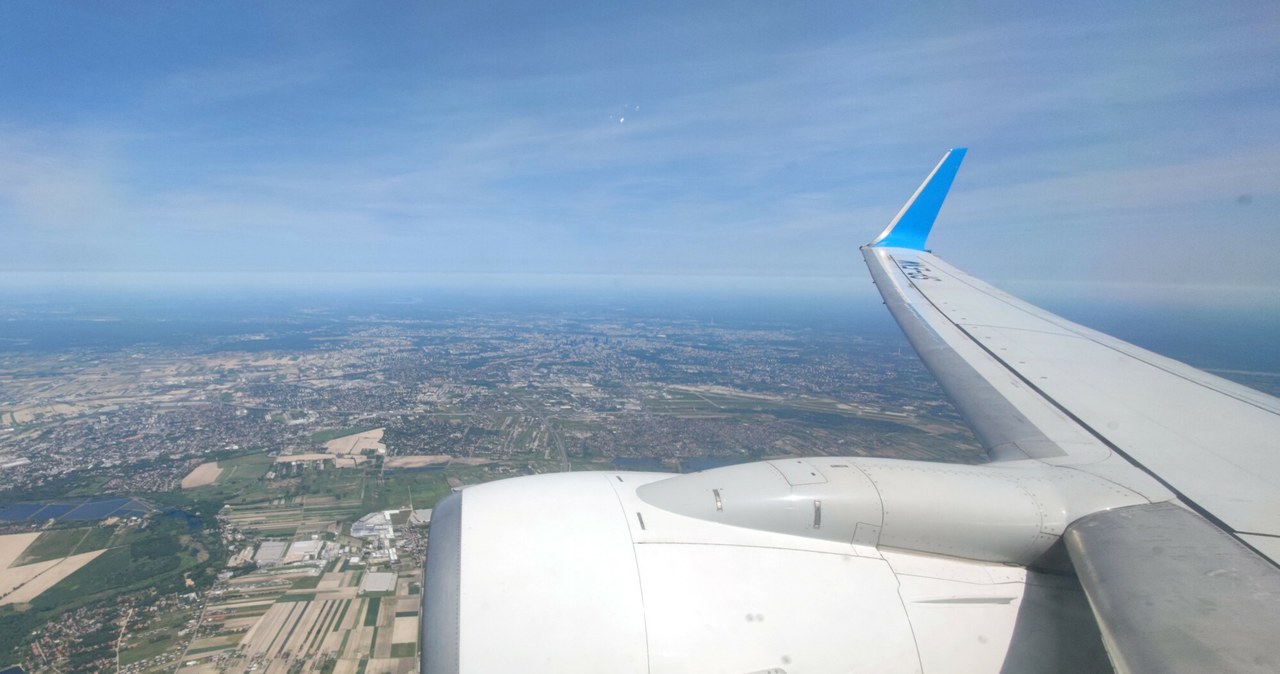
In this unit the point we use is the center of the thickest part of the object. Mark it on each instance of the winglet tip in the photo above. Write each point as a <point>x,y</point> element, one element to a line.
<point>911,227</point>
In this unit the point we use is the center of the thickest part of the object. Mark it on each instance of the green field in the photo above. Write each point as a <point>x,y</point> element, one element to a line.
<point>59,543</point>
<point>241,480</point>
<point>395,490</point>
<point>340,484</point>
<point>141,558</point>
<point>306,583</point>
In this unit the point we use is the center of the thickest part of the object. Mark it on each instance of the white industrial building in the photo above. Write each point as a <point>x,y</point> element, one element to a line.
<point>270,553</point>
<point>373,525</point>
<point>302,550</point>
<point>375,581</point>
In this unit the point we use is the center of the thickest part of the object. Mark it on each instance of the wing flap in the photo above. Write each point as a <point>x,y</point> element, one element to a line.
<point>1174,593</point>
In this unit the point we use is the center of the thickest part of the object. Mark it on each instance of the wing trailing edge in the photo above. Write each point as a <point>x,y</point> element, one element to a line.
<point>910,228</point>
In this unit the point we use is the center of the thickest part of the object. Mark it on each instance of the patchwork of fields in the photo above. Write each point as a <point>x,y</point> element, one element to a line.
<point>277,620</point>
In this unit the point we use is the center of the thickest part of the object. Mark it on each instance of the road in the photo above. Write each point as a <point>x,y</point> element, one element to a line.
<point>124,625</point>
<point>195,631</point>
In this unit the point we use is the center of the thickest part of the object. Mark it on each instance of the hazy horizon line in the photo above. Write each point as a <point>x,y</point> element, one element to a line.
<point>853,284</point>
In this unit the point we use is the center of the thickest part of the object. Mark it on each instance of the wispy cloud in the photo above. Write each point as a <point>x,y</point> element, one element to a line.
<point>752,151</point>
<point>61,181</point>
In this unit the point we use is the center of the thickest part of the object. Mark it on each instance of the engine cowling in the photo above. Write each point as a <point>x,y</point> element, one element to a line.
<point>729,571</point>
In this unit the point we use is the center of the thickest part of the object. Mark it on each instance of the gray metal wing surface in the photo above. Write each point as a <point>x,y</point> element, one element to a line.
<point>1188,583</point>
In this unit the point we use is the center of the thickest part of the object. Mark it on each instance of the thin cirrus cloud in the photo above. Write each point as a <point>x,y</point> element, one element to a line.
<point>606,141</point>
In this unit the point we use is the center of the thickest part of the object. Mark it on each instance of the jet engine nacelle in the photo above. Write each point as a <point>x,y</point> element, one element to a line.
<point>790,566</point>
<point>1009,512</point>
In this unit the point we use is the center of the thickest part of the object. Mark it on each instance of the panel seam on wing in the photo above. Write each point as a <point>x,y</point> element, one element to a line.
<point>644,609</point>
<point>1075,333</point>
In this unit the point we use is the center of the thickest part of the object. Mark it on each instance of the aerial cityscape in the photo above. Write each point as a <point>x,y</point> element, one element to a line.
<point>248,486</point>
<point>231,493</point>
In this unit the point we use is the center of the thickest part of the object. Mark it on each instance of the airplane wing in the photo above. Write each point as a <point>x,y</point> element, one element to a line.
<point>1036,386</point>
<point>1128,519</point>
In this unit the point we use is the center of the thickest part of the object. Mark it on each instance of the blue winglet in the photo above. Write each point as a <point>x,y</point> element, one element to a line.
<point>911,227</point>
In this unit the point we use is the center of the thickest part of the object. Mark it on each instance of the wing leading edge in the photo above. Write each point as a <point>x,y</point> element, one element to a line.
<point>1203,450</point>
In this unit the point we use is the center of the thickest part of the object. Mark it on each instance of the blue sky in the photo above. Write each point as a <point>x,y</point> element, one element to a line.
<point>1109,143</point>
